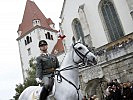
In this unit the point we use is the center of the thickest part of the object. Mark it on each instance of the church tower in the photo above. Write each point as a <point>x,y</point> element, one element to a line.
<point>33,28</point>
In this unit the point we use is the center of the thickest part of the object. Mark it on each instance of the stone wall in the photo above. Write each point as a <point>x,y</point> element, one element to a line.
<point>116,63</point>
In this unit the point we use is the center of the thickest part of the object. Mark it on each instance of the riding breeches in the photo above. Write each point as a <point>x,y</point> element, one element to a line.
<point>48,82</point>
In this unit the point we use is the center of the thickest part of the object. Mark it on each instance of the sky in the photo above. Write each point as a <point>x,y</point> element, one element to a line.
<point>11,14</point>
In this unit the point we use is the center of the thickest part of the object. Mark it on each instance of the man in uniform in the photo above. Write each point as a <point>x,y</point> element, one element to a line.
<point>46,65</point>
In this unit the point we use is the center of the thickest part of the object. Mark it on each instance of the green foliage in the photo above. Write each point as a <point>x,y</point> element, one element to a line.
<point>29,81</point>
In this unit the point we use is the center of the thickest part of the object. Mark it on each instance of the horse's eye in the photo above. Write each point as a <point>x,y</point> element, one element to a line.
<point>79,48</point>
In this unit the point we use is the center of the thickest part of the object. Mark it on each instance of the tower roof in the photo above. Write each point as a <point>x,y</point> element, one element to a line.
<point>32,12</point>
<point>58,48</point>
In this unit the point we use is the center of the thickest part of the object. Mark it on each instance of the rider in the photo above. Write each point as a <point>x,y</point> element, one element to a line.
<point>46,65</point>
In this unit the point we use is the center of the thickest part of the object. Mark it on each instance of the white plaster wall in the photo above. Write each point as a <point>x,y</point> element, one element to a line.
<point>70,12</point>
<point>96,27</point>
<point>37,35</point>
<point>41,36</point>
<point>97,32</point>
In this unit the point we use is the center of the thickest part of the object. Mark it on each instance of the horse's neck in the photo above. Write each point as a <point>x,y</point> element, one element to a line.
<point>71,74</point>
<point>68,60</point>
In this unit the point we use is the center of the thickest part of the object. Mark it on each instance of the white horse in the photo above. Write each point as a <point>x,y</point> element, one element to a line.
<point>66,85</point>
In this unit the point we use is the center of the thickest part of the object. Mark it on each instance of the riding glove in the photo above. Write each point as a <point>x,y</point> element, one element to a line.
<point>38,80</point>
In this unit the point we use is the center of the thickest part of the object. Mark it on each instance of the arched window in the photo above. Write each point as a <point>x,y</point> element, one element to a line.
<point>77,28</point>
<point>46,35</point>
<point>112,22</point>
<point>131,14</point>
<point>28,39</point>
<point>29,51</point>
<point>36,22</point>
<point>25,42</point>
<point>130,5</point>
<point>49,36</point>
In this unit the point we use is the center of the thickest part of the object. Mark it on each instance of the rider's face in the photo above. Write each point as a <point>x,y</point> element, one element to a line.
<point>44,48</point>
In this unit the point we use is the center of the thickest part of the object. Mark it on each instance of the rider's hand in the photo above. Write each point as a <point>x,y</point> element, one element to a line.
<point>38,80</point>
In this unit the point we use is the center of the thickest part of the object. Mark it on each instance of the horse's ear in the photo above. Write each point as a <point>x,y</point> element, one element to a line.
<point>73,39</point>
<point>79,40</point>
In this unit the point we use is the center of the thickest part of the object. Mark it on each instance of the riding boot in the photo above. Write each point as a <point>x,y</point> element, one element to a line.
<point>44,94</point>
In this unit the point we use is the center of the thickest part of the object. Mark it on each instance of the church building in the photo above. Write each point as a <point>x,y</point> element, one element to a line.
<point>106,26</point>
<point>33,28</point>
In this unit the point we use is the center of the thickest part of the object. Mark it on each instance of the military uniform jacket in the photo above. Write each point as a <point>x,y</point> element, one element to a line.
<point>44,65</point>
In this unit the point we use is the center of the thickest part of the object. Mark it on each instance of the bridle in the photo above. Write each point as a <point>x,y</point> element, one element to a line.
<point>83,58</point>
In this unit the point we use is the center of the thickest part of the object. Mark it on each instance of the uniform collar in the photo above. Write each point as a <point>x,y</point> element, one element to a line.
<point>46,54</point>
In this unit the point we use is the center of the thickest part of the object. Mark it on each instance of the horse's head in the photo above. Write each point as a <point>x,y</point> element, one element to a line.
<point>82,54</point>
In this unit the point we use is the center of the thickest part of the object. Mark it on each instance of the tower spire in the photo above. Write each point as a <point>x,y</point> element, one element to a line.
<point>33,15</point>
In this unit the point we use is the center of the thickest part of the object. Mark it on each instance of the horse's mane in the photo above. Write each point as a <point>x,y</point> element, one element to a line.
<point>69,48</point>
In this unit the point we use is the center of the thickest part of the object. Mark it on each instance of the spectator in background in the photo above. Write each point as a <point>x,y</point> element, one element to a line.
<point>126,95</point>
<point>84,98</point>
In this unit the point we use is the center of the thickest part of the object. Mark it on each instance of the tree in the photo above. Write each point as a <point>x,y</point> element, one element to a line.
<point>29,81</point>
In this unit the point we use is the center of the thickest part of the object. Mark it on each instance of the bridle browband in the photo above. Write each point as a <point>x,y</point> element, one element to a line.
<point>82,57</point>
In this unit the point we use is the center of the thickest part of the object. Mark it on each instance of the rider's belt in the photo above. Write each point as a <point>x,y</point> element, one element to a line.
<point>49,70</point>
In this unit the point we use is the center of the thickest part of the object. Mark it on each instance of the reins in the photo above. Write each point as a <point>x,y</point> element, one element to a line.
<point>62,77</point>
<point>83,58</point>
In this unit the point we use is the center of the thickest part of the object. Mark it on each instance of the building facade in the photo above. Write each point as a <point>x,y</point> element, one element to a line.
<point>35,27</point>
<point>106,26</point>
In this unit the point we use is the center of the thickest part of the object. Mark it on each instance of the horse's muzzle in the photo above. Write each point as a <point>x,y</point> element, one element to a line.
<point>92,62</point>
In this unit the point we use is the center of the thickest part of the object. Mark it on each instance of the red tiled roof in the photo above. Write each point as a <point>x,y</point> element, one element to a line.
<point>32,12</point>
<point>49,21</point>
<point>58,48</point>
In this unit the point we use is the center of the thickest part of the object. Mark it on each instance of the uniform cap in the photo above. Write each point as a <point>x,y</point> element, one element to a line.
<point>42,42</point>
